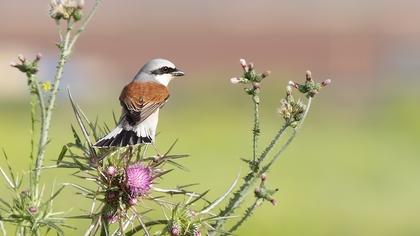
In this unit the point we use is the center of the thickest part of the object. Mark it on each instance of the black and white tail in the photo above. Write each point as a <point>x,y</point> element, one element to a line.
<point>120,137</point>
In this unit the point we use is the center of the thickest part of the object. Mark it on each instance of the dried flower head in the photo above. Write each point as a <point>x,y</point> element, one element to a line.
<point>138,179</point>
<point>291,111</point>
<point>65,9</point>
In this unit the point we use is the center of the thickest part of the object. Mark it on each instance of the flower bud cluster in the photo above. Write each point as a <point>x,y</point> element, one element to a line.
<point>250,76</point>
<point>124,185</point>
<point>29,67</point>
<point>264,194</point>
<point>66,9</point>
<point>292,111</point>
<point>184,222</point>
<point>310,88</point>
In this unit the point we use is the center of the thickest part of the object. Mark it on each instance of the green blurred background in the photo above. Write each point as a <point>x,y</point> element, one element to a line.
<point>354,168</point>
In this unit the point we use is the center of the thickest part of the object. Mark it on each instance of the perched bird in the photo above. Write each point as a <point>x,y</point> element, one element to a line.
<point>141,100</point>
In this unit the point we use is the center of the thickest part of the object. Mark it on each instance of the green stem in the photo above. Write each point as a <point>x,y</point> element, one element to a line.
<point>293,135</point>
<point>250,179</point>
<point>273,143</point>
<point>66,46</point>
<point>256,131</point>
<point>45,122</point>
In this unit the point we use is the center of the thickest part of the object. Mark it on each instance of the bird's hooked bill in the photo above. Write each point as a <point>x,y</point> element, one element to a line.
<point>178,72</point>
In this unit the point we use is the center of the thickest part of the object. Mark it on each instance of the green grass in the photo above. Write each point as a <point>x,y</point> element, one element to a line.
<point>348,172</point>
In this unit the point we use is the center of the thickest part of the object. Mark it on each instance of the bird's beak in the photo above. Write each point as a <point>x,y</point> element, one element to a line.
<point>178,73</point>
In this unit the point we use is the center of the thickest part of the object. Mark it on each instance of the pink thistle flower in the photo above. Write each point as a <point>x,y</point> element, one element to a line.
<point>138,179</point>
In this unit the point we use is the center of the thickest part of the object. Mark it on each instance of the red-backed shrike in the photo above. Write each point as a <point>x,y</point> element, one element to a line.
<point>141,100</point>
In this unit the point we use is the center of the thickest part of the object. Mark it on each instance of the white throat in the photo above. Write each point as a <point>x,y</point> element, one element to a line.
<point>164,79</point>
<point>161,79</point>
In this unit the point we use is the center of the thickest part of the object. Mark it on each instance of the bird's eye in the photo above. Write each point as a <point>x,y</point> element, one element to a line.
<point>165,69</point>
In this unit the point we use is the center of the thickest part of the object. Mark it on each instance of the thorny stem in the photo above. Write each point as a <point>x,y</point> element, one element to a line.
<point>273,143</point>
<point>251,178</point>
<point>292,136</point>
<point>66,46</point>
<point>250,210</point>
<point>256,131</point>
<point>45,123</point>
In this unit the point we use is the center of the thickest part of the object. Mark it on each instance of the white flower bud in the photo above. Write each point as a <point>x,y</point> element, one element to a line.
<point>326,82</point>
<point>235,80</point>
<point>244,65</point>
<point>308,75</point>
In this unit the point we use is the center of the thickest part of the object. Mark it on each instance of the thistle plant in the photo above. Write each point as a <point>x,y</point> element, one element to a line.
<point>294,114</point>
<point>125,186</point>
<point>29,210</point>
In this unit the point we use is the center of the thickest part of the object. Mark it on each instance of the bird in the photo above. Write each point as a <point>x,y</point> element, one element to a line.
<point>141,101</point>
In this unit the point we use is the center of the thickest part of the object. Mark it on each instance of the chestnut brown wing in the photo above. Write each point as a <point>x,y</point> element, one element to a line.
<point>139,100</point>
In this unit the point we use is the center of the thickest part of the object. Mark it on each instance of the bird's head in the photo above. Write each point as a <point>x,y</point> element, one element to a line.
<point>158,70</point>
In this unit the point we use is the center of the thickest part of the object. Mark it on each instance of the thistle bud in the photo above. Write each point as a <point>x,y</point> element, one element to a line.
<point>274,202</point>
<point>38,57</point>
<point>33,210</point>
<point>132,201</point>
<point>325,82</point>
<point>265,74</point>
<point>21,58</point>
<point>244,65</point>
<point>263,177</point>
<point>112,218</point>
<point>110,196</point>
<point>175,230</point>
<point>293,84</point>
<point>256,85</point>
<point>80,4</point>
<point>308,75</point>
<point>111,171</point>
<point>235,80</point>
<point>251,66</point>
